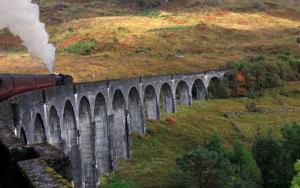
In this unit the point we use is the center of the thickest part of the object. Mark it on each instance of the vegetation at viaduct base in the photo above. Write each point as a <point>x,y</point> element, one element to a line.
<point>166,156</point>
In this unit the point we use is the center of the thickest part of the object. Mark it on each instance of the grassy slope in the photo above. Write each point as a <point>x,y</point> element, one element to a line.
<point>154,154</point>
<point>180,37</point>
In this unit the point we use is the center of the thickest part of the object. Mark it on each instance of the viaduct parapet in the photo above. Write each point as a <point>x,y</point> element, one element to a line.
<point>92,122</point>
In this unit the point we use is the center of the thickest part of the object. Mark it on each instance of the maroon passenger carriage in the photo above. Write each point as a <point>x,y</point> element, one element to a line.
<point>13,84</point>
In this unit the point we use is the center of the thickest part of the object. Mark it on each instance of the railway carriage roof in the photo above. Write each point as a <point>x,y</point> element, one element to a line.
<point>26,76</point>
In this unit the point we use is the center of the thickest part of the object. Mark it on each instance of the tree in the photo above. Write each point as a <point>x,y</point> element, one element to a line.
<point>204,168</point>
<point>276,159</point>
<point>291,143</point>
<point>216,144</point>
<point>266,152</point>
<point>296,179</point>
<point>246,167</point>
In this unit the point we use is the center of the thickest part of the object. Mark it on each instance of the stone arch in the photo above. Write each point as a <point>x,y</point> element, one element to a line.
<point>166,98</point>
<point>121,130</point>
<point>39,130</point>
<point>87,135</point>
<point>71,137</point>
<point>182,93</point>
<point>198,90</point>
<point>150,102</point>
<point>102,134</point>
<point>135,108</point>
<point>23,136</point>
<point>214,90</point>
<point>55,130</point>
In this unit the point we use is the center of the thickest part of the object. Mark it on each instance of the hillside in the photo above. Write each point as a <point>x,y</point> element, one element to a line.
<point>109,39</point>
<point>115,39</point>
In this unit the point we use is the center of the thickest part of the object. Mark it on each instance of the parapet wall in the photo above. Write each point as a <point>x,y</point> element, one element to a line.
<point>23,165</point>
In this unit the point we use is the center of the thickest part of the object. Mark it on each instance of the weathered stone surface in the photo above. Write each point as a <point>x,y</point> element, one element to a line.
<point>90,122</point>
<point>39,174</point>
<point>6,114</point>
<point>13,151</point>
<point>56,159</point>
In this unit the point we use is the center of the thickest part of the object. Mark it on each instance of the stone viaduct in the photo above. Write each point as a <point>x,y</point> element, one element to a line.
<point>92,122</point>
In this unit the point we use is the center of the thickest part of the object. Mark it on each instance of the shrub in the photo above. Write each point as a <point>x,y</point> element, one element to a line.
<point>298,39</point>
<point>170,121</point>
<point>257,58</point>
<point>180,51</point>
<point>252,107</point>
<point>82,48</point>
<point>150,13</point>
<point>139,49</point>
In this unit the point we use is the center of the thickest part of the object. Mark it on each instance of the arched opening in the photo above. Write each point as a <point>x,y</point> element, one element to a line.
<point>182,93</point>
<point>87,134</point>
<point>135,112</point>
<point>215,89</point>
<point>23,136</point>
<point>150,102</point>
<point>121,131</point>
<point>102,135</point>
<point>71,137</point>
<point>198,90</point>
<point>39,130</point>
<point>166,98</point>
<point>55,131</point>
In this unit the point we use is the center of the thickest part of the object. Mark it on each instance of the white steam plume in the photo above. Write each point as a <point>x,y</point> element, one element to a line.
<point>21,17</point>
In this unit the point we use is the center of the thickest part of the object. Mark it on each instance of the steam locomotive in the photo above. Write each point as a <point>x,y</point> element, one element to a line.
<point>12,84</point>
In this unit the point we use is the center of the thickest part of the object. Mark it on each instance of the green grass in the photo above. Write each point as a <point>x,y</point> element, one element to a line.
<point>179,27</point>
<point>154,153</point>
<point>83,48</point>
<point>149,13</point>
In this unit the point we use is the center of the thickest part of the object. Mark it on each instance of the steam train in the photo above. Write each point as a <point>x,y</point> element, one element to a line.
<point>13,84</point>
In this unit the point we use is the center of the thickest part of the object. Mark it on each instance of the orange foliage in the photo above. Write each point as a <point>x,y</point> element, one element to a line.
<point>170,121</point>
<point>176,21</point>
<point>240,78</point>
<point>73,39</point>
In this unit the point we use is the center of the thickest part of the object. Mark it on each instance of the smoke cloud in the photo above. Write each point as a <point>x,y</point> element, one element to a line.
<point>21,17</point>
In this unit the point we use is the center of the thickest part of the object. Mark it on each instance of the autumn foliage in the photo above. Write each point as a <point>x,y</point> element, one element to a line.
<point>170,121</point>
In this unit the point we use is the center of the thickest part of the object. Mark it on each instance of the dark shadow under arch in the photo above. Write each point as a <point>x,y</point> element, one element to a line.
<point>166,98</point>
<point>102,135</point>
<point>87,134</point>
<point>23,136</point>
<point>182,93</point>
<point>121,129</point>
<point>55,129</point>
<point>71,137</point>
<point>215,89</point>
<point>39,130</point>
<point>198,90</point>
<point>150,103</point>
<point>135,108</point>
